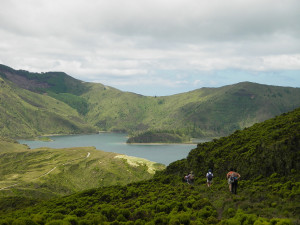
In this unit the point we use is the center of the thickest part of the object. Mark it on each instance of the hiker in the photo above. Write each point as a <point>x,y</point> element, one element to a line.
<point>209,177</point>
<point>232,178</point>
<point>189,178</point>
<point>186,178</point>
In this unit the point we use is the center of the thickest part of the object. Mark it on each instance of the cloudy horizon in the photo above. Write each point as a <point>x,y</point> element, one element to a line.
<point>155,47</point>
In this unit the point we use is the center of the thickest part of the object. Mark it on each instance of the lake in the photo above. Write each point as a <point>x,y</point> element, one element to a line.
<point>116,142</point>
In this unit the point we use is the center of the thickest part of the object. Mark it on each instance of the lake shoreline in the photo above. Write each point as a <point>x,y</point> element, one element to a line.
<point>164,153</point>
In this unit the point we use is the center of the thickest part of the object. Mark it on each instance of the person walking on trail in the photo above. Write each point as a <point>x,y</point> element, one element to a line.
<point>209,177</point>
<point>190,178</point>
<point>232,178</point>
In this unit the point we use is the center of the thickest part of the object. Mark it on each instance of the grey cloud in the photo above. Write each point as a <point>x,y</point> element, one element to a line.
<point>124,39</point>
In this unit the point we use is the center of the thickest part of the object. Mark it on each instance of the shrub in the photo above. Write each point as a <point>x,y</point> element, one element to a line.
<point>72,220</point>
<point>24,221</point>
<point>79,212</point>
<point>4,222</point>
<point>55,222</point>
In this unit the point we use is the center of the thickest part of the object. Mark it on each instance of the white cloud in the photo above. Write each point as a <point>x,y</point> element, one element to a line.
<point>136,39</point>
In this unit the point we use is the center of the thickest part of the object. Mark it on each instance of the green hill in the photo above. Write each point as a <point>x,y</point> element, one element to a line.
<point>27,114</point>
<point>205,112</point>
<point>260,150</point>
<point>46,173</point>
<point>266,155</point>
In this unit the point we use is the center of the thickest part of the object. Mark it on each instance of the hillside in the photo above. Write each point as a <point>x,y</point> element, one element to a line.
<point>27,114</point>
<point>266,155</point>
<point>260,150</point>
<point>205,112</point>
<point>45,173</point>
<point>200,113</point>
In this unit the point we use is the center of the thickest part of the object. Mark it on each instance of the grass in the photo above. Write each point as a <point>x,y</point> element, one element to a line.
<point>64,171</point>
<point>55,103</point>
<point>203,112</point>
<point>27,114</point>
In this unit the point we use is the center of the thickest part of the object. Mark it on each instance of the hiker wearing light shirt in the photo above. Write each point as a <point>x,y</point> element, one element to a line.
<point>209,177</point>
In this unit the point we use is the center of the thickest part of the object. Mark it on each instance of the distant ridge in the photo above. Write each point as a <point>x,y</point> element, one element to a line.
<point>205,112</point>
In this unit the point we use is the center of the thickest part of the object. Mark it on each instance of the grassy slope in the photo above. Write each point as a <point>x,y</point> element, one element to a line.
<point>45,172</point>
<point>203,112</point>
<point>270,196</point>
<point>25,113</point>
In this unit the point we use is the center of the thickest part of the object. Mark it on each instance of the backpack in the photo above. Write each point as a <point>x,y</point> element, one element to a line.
<point>231,179</point>
<point>209,176</point>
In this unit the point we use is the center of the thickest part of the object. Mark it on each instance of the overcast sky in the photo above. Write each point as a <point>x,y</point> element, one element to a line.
<point>155,47</point>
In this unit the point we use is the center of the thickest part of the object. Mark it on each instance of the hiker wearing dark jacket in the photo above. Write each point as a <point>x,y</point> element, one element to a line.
<point>209,177</point>
<point>232,178</point>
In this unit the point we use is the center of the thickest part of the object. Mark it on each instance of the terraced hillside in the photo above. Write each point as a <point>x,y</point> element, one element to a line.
<point>46,173</point>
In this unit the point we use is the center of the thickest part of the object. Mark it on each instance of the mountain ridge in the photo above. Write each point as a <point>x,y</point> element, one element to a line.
<point>204,112</point>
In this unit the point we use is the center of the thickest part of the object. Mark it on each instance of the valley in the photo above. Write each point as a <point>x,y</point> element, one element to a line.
<point>265,154</point>
<point>255,130</point>
<point>56,103</point>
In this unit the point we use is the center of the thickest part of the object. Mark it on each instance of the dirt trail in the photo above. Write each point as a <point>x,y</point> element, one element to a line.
<point>45,174</point>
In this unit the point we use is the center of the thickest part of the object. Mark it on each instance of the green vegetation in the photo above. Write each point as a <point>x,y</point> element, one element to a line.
<point>118,189</point>
<point>165,200</point>
<point>158,137</point>
<point>43,138</point>
<point>76,102</point>
<point>27,114</point>
<point>57,82</point>
<point>261,150</point>
<point>266,155</point>
<point>205,112</point>
<point>44,173</point>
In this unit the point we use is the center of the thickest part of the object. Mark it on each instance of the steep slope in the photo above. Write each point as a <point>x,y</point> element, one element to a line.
<point>56,82</point>
<point>267,194</point>
<point>45,173</point>
<point>260,150</point>
<point>25,114</point>
<point>205,112</point>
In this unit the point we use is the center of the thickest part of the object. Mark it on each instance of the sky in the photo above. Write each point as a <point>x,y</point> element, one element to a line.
<point>155,47</point>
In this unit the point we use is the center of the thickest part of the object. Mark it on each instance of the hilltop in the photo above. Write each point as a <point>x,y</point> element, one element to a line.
<point>265,154</point>
<point>74,106</point>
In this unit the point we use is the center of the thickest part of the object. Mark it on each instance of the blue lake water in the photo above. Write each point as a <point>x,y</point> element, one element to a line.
<point>116,142</point>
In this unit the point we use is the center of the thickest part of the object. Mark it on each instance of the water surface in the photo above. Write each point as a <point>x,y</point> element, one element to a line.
<point>116,142</point>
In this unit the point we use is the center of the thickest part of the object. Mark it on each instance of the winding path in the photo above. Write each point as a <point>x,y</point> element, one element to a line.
<point>45,174</point>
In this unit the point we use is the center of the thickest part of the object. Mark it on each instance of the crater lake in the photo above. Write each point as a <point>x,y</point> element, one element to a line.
<point>116,142</point>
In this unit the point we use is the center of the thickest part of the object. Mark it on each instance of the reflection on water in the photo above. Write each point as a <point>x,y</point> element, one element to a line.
<point>116,142</point>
